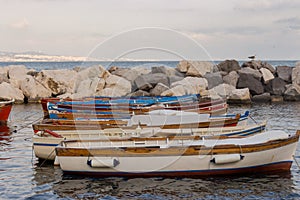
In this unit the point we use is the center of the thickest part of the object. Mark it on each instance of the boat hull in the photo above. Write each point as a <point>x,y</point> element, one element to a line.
<point>265,156</point>
<point>5,109</point>
<point>269,161</point>
<point>44,146</point>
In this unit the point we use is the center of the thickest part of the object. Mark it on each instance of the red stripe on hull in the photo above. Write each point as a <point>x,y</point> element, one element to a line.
<point>4,112</point>
<point>263,169</point>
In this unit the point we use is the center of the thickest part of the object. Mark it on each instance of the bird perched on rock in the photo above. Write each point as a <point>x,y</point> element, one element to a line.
<point>252,57</point>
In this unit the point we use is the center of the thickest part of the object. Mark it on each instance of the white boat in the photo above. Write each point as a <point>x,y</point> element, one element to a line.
<point>44,142</point>
<point>268,152</point>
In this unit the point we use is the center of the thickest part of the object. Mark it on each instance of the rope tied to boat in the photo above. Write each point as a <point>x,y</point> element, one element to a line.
<point>296,162</point>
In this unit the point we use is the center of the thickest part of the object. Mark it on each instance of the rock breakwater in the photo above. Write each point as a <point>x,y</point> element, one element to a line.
<point>253,81</point>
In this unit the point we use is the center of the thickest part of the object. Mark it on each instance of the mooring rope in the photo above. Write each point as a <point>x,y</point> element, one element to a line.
<point>47,159</point>
<point>296,162</point>
<point>26,125</point>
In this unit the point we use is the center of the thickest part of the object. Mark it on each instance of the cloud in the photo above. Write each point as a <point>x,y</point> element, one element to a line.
<point>267,5</point>
<point>20,24</point>
<point>292,23</point>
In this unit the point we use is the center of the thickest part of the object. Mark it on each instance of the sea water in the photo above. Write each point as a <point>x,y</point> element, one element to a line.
<point>22,176</point>
<point>126,64</point>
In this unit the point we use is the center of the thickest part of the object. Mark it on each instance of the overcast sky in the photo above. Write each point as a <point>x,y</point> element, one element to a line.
<point>217,29</point>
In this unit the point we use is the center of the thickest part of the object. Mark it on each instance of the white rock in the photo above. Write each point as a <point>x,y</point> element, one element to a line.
<point>86,88</point>
<point>33,90</point>
<point>183,66</point>
<point>4,70</point>
<point>178,90</point>
<point>89,73</point>
<point>58,81</point>
<point>240,95</point>
<point>16,74</point>
<point>232,78</point>
<point>7,91</point>
<point>266,74</point>
<point>296,75</point>
<point>117,86</point>
<point>158,89</point>
<point>198,84</point>
<point>222,90</point>
<point>199,68</point>
<point>134,72</point>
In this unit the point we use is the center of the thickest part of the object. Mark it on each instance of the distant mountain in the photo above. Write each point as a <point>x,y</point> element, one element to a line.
<point>32,56</point>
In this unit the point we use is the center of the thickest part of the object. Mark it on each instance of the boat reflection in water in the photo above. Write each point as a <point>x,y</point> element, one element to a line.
<point>51,181</point>
<point>5,139</point>
<point>5,134</point>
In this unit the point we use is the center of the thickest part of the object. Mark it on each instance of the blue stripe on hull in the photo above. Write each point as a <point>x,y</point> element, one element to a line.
<point>45,144</point>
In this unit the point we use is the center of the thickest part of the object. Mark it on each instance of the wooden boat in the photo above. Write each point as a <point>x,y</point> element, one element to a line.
<point>267,152</point>
<point>44,142</point>
<point>143,109</point>
<point>165,122</point>
<point>61,113</point>
<point>5,108</point>
<point>120,101</point>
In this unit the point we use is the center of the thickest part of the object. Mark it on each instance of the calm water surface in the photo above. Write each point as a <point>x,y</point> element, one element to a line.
<point>23,177</point>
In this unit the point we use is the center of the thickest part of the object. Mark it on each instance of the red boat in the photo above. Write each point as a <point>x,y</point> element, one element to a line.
<point>5,108</point>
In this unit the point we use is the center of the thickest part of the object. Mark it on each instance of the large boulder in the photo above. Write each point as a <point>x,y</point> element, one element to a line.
<point>232,78</point>
<point>269,67</point>
<point>8,92</point>
<point>132,73</point>
<point>229,66</point>
<point>139,93</point>
<point>189,85</point>
<point>119,71</point>
<point>58,81</point>
<point>169,71</point>
<point>213,79</point>
<point>87,76</point>
<point>249,81</point>
<point>4,78</point>
<point>16,74</point>
<point>195,68</point>
<point>4,70</point>
<point>224,90</point>
<point>296,75</point>
<point>265,97</point>
<point>276,86</point>
<point>199,68</point>
<point>116,86</point>
<point>183,66</point>
<point>292,93</point>
<point>249,71</point>
<point>285,73</point>
<point>89,87</point>
<point>240,96</point>
<point>141,83</point>
<point>33,90</point>
<point>173,79</point>
<point>148,81</point>
<point>178,90</point>
<point>198,84</point>
<point>254,64</point>
<point>4,74</point>
<point>266,75</point>
<point>158,89</point>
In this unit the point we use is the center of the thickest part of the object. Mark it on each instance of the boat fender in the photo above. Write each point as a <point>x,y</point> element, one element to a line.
<point>226,158</point>
<point>103,162</point>
<point>53,133</point>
